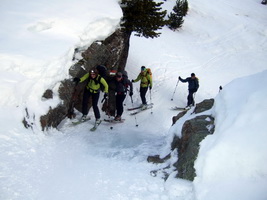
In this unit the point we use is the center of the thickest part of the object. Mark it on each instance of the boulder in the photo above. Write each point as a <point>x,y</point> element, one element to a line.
<point>112,53</point>
<point>187,146</point>
<point>193,132</point>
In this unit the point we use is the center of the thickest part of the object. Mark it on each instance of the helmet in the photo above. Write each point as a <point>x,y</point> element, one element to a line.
<point>93,71</point>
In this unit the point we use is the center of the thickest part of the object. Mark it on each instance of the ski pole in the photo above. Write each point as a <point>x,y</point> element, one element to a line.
<point>134,115</point>
<point>175,89</point>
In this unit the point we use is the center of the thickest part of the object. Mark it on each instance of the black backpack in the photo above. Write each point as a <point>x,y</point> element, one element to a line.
<point>125,79</point>
<point>102,71</point>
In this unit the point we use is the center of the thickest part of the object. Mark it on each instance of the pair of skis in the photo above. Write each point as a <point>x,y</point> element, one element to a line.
<point>93,128</point>
<point>139,109</point>
<point>114,121</point>
<point>98,123</point>
<point>80,121</point>
<point>180,108</point>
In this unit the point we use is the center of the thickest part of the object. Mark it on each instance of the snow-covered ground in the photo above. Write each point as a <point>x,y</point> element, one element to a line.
<point>223,43</point>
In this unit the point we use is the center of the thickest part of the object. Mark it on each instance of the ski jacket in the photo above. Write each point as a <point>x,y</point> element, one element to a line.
<point>122,86</point>
<point>93,85</point>
<point>146,79</point>
<point>192,83</point>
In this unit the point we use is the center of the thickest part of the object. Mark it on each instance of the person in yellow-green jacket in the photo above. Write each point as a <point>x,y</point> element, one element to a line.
<point>145,82</point>
<point>92,89</point>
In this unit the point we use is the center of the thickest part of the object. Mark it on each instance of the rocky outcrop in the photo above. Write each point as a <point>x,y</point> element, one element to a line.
<point>193,132</point>
<point>112,53</point>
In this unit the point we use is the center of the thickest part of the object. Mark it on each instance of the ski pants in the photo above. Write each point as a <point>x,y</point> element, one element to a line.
<point>143,91</point>
<point>95,97</point>
<point>119,103</point>
<point>190,98</point>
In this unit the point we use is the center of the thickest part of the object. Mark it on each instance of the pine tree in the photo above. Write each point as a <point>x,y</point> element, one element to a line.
<point>176,17</point>
<point>175,21</point>
<point>144,17</point>
<point>181,7</point>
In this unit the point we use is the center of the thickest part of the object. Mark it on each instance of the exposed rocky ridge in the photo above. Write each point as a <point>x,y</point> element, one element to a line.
<point>193,132</point>
<point>112,53</point>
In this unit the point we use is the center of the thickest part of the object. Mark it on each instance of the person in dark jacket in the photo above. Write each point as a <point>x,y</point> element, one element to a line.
<point>122,83</point>
<point>193,86</point>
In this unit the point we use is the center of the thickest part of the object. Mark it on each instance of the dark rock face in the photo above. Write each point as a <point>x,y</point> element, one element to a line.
<point>204,105</point>
<point>177,117</point>
<point>193,132</point>
<point>157,159</point>
<point>48,94</point>
<point>112,53</point>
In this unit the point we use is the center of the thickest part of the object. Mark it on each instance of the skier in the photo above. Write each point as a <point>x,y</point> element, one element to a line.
<point>122,83</point>
<point>193,86</point>
<point>146,81</point>
<point>92,89</point>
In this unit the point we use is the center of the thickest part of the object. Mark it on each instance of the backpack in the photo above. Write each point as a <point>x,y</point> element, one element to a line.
<point>124,75</point>
<point>124,83</point>
<point>102,71</point>
<point>125,79</point>
<point>149,72</point>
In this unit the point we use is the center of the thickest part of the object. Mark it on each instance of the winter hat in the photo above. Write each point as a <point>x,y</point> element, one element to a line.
<point>143,68</point>
<point>193,74</point>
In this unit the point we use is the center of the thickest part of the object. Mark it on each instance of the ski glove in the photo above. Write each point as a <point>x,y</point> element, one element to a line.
<point>105,95</point>
<point>131,93</point>
<point>150,87</point>
<point>76,80</point>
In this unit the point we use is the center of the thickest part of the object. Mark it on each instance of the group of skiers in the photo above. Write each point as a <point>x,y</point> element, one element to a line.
<point>122,85</point>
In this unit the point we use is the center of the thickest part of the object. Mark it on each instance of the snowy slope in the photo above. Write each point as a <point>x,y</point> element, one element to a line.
<point>223,42</point>
<point>235,157</point>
